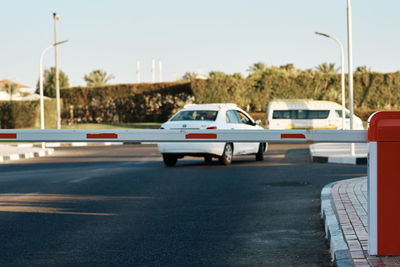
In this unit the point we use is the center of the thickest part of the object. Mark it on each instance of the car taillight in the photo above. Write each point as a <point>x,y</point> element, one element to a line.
<point>212,128</point>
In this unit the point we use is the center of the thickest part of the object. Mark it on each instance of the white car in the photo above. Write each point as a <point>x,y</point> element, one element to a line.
<point>210,116</point>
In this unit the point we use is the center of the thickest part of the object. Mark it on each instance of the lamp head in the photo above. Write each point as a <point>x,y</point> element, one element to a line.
<point>322,34</point>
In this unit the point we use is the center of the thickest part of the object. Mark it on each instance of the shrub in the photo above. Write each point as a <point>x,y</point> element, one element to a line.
<point>125,103</point>
<point>18,114</point>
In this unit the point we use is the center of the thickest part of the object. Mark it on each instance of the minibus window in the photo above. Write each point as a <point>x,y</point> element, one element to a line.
<point>300,114</point>
<point>281,114</point>
<point>339,113</point>
<point>318,114</point>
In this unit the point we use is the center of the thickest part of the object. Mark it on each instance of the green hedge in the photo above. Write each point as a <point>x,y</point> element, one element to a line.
<point>18,114</point>
<point>124,103</point>
<point>145,102</point>
<point>372,91</point>
<point>26,114</point>
<point>50,114</point>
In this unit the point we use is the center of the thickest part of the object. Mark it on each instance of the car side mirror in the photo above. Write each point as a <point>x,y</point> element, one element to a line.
<point>258,122</point>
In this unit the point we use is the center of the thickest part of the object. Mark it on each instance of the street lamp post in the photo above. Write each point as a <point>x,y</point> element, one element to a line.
<point>41,82</point>
<point>350,70</point>
<point>41,86</point>
<point>55,17</point>
<point>342,74</point>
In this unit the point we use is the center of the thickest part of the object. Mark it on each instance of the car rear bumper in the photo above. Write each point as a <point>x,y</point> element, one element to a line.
<point>192,148</point>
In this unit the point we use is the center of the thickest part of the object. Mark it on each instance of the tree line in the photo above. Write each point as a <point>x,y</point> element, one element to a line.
<point>372,90</point>
<point>95,78</point>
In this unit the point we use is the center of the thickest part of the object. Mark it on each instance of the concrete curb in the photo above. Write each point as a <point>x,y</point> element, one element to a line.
<point>79,144</point>
<point>30,153</point>
<point>318,155</point>
<point>334,234</point>
<point>340,160</point>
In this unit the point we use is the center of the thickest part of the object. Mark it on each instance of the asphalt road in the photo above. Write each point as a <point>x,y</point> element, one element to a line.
<point>119,206</point>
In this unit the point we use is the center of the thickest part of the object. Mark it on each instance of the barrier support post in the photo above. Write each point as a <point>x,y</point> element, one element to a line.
<point>384,183</point>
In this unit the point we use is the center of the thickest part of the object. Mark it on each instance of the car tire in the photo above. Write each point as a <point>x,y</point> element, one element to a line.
<point>208,159</point>
<point>227,156</point>
<point>260,152</point>
<point>169,160</point>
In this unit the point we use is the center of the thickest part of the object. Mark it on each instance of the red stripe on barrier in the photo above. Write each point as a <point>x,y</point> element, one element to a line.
<point>201,136</point>
<point>293,136</point>
<point>8,136</point>
<point>102,136</point>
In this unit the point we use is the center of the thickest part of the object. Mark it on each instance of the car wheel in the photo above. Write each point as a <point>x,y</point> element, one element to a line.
<point>260,152</point>
<point>208,159</point>
<point>169,160</point>
<point>226,157</point>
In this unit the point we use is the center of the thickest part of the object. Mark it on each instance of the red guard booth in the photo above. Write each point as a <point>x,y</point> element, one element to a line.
<point>384,183</point>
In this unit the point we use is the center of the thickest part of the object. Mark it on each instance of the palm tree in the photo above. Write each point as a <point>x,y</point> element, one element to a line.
<point>289,68</point>
<point>11,89</point>
<point>258,67</point>
<point>98,78</point>
<point>362,69</point>
<point>327,68</point>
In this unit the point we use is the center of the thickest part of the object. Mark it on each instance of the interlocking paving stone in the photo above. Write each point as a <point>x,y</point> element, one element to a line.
<point>350,200</point>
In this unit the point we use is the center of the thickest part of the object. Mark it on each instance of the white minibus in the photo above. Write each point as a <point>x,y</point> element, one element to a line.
<point>307,114</point>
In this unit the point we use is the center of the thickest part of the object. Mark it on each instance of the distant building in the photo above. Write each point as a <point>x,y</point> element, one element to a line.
<point>24,92</point>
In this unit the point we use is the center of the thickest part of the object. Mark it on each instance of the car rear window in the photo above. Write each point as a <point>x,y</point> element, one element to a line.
<point>196,115</point>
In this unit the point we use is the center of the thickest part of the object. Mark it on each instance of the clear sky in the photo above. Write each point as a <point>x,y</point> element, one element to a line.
<point>192,36</point>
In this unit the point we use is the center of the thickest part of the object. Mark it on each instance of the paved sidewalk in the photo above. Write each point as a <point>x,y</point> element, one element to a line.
<point>349,201</point>
<point>22,151</point>
<point>339,153</point>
